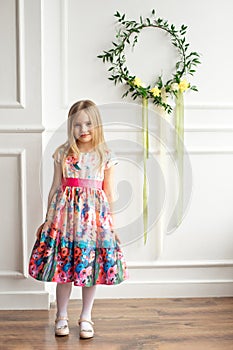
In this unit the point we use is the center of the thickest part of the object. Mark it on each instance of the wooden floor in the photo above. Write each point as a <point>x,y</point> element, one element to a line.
<point>128,324</point>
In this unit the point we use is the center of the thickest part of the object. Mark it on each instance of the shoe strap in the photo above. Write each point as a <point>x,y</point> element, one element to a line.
<point>88,321</point>
<point>60,318</point>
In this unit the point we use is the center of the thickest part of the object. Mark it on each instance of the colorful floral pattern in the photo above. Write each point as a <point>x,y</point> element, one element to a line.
<point>86,165</point>
<point>76,243</point>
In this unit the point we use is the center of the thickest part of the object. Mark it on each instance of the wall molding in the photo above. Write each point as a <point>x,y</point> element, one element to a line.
<point>194,129</point>
<point>180,263</point>
<point>182,281</point>
<point>64,53</point>
<point>12,105</point>
<point>209,129</point>
<point>20,42</point>
<point>20,59</point>
<point>136,151</point>
<point>187,106</point>
<point>23,199</point>
<point>210,106</point>
<point>11,273</point>
<point>8,129</point>
<point>209,151</point>
<point>165,289</point>
<point>20,154</point>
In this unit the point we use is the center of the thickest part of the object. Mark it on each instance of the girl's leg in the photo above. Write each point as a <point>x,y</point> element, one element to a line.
<point>88,295</point>
<point>62,296</point>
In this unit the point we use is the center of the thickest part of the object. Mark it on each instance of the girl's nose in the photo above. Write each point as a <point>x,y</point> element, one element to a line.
<point>84,128</point>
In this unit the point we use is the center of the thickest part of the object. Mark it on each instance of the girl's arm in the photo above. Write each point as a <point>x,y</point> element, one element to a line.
<point>57,177</point>
<point>108,187</point>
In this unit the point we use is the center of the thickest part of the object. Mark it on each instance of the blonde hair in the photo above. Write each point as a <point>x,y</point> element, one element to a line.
<point>70,147</point>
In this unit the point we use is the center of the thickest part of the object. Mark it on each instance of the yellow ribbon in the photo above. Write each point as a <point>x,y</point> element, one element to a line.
<point>145,157</point>
<point>179,127</point>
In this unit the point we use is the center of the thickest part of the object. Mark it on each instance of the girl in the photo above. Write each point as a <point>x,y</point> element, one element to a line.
<point>77,242</point>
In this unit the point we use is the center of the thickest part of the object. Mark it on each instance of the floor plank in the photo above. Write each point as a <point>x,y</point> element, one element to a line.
<point>125,324</point>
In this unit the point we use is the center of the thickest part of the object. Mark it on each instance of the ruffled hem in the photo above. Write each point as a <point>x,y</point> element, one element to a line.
<point>79,283</point>
<point>84,266</point>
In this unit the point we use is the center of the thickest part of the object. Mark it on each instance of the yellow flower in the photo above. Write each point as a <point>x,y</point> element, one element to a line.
<point>137,82</point>
<point>183,85</point>
<point>155,91</point>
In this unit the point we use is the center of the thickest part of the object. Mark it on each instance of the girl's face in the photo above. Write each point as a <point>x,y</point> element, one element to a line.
<point>83,128</point>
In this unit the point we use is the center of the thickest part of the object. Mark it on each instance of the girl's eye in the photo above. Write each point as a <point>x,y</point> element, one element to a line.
<point>88,123</point>
<point>77,125</point>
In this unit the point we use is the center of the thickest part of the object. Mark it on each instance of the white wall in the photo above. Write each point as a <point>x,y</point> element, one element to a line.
<point>197,258</point>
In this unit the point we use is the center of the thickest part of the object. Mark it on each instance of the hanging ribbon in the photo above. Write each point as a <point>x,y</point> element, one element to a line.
<point>145,157</point>
<point>179,127</point>
<point>164,120</point>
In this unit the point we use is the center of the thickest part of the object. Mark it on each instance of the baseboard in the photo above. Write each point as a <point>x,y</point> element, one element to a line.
<point>24,300</point>
<point>27,300</point>
<point>168,289</point>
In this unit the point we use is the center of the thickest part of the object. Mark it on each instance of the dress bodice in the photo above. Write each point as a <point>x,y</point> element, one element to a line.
<point>86,165</point>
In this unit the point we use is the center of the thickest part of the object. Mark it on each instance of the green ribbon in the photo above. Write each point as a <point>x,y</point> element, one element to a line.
<point>145,157</point>
<point>179,127</point>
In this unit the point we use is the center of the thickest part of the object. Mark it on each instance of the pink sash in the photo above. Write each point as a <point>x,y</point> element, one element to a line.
<point>73,182</point>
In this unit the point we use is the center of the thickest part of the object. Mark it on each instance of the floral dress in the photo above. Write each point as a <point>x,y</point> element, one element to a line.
<point>77,243</point>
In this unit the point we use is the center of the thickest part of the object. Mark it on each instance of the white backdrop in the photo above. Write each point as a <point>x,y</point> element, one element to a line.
<point>197,258</point>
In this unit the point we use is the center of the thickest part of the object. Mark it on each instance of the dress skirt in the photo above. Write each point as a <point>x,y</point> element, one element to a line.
<point>77,243</point>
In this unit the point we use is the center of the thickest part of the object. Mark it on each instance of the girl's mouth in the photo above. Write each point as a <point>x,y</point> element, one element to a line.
<point>84,135</point>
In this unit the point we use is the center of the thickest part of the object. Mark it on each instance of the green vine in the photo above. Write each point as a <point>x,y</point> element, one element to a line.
<point>160,90</point>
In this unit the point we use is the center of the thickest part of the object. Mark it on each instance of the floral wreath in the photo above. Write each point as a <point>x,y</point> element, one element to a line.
<point>159,90</point>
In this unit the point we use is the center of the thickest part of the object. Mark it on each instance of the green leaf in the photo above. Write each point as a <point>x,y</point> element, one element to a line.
<point>196,60</point>
<point>117,14</point>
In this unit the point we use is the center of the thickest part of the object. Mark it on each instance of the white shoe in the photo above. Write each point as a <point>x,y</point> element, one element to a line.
<point>61,330</point>
<point>86,333</point>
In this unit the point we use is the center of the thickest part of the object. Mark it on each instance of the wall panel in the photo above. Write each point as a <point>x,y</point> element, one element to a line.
<point>20,151</point>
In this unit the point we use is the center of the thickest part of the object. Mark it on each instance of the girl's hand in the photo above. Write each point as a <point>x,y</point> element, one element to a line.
<point>116,237</point>
<point>39,230</point>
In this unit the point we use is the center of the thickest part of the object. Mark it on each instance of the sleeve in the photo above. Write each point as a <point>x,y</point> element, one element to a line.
<point>57,155</point>
<point>111,159</point>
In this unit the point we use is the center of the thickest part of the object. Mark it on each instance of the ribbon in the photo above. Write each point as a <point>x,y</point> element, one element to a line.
<point>145,157</point>
<point>179,127</point>
<point>163,162</point>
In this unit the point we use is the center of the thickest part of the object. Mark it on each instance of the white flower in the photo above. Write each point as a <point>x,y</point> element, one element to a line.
<point>174,87</point>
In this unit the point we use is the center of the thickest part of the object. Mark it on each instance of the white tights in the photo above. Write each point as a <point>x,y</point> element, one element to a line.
<point>62,296</point>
